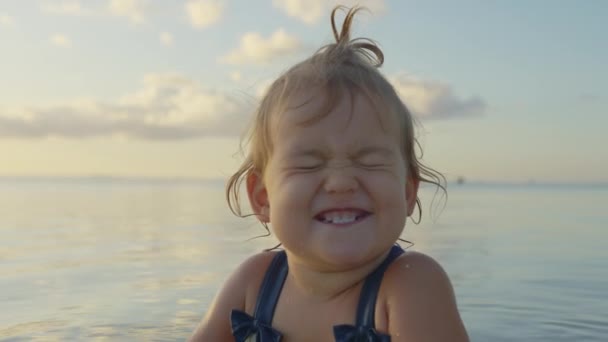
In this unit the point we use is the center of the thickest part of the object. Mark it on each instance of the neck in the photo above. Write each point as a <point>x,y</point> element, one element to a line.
<point>319,283</point>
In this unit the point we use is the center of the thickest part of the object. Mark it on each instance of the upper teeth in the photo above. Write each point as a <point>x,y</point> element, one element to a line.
<point>339,217</point>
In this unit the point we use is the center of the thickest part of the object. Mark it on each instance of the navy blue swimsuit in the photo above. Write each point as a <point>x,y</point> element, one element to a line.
<point>245,326</point>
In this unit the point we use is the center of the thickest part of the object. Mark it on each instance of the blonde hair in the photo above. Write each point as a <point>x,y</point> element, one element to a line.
<point>346,65</point>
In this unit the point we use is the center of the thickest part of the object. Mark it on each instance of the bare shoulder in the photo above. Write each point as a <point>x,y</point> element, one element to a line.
<point>416,267</point>
<point>252,272</point>
<point>420,301</point>
<point>238,292</point>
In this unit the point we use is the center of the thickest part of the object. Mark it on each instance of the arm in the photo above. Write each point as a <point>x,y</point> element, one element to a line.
<point>236,293</point>
<point>420,302</point>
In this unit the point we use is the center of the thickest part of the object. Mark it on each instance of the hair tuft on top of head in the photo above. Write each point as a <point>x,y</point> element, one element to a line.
<point>363,46</point>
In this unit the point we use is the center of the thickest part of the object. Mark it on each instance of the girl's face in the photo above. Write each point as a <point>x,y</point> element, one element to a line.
<point>336,192</point>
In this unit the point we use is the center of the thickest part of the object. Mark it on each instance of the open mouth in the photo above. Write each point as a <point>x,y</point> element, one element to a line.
<point>342,217</point>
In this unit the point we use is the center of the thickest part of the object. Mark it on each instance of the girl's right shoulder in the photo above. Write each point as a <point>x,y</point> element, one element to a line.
<point>239,292</point>
<point>245,281</point>
<point>250,273</point>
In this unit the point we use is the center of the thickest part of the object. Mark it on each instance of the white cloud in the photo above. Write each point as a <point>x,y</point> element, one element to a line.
<point>60,40</point>
<point>6,20</point>
<point>310,11</point>
<point>168,106</point>
<point>172,107</point>
<point>235,76</point>
<point>68,7</point>
<point>166,38</point>
<point>254,49</point>
<point>432,99</point>
<point>134,10</point>
<point>204,13</point>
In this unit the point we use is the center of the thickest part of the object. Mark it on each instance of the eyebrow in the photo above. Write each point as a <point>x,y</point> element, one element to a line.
<point>384,151</point>
<point>318,153</point>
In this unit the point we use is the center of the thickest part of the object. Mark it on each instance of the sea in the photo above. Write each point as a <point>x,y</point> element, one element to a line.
<point>114,259</point>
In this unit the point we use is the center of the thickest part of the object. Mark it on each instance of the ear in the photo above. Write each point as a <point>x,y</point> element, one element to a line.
<point>411,193</point>
<point>258,196</point>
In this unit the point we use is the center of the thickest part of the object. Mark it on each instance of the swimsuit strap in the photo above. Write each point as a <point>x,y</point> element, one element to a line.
<point>271,289</point>
<point>369,292</point>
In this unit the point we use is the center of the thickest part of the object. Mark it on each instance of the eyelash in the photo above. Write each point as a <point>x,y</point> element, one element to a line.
<point>308,168</point>
<point>359,164</point>
<point>371,165</point>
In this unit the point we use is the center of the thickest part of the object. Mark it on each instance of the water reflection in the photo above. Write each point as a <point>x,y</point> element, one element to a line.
<point>141,262</point>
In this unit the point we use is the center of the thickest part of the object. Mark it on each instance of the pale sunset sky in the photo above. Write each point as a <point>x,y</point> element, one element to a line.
<point>507,91</point>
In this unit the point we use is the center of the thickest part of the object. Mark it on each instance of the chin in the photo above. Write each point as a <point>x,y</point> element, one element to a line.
<point>348,255</point>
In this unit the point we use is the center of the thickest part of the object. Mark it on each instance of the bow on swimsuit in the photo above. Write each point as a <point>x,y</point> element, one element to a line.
<point>245,326</point>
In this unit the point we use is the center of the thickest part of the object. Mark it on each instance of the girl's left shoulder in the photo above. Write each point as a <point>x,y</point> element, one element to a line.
<point>415,267</point>
<point>414,276</point>
<point>419,300</point>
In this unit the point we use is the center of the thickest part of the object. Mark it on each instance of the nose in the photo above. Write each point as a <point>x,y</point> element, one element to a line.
<point>340,179</point>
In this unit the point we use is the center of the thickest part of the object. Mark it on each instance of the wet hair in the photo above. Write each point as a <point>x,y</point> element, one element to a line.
<point>341,68</point>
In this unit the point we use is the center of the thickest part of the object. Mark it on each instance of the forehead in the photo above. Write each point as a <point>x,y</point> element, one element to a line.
<point>335,112</point>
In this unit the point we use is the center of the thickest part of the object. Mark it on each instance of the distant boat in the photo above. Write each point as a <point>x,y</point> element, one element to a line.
<point>460,180</point>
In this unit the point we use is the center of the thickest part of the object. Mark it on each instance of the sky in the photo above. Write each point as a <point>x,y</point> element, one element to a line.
<point>505,91</point>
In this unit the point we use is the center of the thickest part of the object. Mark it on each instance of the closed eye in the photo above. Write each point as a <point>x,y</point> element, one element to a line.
<point>373,162</point>
<point>372,165</point>
<point>308,167</point>
<point>374,158</point>
<point>306,162</point>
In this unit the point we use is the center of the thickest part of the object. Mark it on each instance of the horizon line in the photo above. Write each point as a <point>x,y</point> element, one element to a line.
<point>183,179</point>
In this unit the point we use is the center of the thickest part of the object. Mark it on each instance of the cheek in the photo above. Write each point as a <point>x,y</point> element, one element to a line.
<point>290,208</point>
<point>292,192</point>
<point>389,190</point>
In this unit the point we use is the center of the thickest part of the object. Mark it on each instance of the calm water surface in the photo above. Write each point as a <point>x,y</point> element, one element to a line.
<point>109,260</point>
